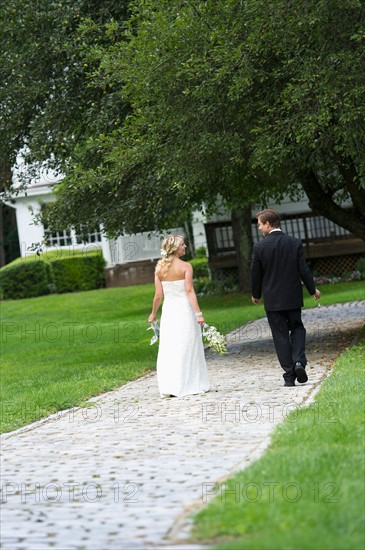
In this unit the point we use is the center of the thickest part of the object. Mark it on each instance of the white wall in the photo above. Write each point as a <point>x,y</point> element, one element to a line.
<point>29,233</point>
<point>198,229</point>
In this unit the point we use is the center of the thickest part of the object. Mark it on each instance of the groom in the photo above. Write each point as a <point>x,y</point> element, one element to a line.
<point>277,269</point>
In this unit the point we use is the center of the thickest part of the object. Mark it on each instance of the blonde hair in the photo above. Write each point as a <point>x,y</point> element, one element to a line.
<point>168,248</point>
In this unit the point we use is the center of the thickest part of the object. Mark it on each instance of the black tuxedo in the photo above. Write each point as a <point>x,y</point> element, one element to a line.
<point>277,269</point>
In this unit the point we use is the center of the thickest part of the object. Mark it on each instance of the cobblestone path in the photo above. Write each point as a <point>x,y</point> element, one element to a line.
<point>124,473</point>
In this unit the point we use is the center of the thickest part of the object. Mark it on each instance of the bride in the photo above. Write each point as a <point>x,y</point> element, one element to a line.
<point>181,367</point>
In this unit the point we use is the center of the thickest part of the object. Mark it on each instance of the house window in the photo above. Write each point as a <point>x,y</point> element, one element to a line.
<point>323,228</point>
<point>294,226</point>
<point>68,237</point>
<point>59,238</point>
<point>224,238</point>
<point>94,237</point>
<point>62,237</point>
<point>219,237</point>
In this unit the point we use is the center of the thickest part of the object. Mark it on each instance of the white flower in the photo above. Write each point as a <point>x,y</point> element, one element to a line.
<point>163,252</point>
<point>215,340</point>
<point>156,332</point>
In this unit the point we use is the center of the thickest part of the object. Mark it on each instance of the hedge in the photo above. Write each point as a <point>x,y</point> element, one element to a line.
<point>78,273</point>
<point>28,279</point>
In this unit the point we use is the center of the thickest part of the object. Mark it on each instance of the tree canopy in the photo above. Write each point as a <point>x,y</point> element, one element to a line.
<point>249,100</point>
<point>50,103</point>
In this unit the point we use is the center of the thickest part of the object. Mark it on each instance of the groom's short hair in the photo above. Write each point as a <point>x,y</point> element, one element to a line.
<point>269,215</point>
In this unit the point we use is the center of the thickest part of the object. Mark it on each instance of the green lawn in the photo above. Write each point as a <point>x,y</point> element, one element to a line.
<point>58,350</point>
<point>307,491</point>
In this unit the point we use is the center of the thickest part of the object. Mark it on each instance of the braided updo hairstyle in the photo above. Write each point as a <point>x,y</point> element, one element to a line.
<point>168,248</point>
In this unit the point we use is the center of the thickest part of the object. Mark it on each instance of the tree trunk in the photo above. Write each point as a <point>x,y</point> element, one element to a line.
<point>349,173</point>
<point>321,203</point>
<point>190,238</point>
<point>5,175</point>
<point>2,244</point>
<point>242,236</point>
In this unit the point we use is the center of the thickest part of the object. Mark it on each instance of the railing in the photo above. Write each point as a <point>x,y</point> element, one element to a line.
<point>142,246</point>
<point>307,227</point>
<point>311,229</point>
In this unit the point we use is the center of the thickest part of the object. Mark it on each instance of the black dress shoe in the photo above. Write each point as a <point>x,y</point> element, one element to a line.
<point>289,383</point>
<point>300,372</point>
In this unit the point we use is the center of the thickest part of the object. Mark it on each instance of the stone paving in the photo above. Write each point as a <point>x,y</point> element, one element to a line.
<point>127,471</point>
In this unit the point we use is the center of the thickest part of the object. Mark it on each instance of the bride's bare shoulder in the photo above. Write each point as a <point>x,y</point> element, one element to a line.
<point>182,266</point>
<point>183,262</point>
<point>186,265</point>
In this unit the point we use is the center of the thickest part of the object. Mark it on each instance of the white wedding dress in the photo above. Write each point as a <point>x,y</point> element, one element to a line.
<point>181,366</point>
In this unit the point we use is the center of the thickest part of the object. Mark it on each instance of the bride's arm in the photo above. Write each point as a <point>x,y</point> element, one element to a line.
<point>156,300</point>
<point>191,294</point>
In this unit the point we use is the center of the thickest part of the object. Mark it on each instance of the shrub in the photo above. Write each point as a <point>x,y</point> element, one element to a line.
<point>78,273</point>
<point>35,277</point>
<point>360,266</point>
<point>201,252</point>
<point>26,280</point>
<point>206,287</point>
<point>327,280</point>
<point>349,276</point>
<point>200,267</point>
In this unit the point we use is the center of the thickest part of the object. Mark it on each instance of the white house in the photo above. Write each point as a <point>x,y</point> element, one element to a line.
<point>126,250</point>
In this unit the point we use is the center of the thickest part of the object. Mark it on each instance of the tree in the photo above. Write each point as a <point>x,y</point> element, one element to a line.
<point>251,100</point>
<point>313,130</point>
<point>50,103</point>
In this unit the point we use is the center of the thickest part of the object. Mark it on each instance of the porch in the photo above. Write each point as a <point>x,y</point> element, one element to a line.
<point>328,248</point>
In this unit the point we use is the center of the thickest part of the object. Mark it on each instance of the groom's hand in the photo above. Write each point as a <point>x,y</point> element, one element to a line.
<point>317,294</point>
<point>255,300</point>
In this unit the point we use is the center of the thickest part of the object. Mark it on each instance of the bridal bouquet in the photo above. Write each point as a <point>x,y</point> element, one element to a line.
<point>156,332</point>
<point>215,340</point>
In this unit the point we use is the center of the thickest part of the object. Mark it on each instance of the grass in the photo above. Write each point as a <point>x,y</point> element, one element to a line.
<point>59,350</point>
<point>307,490</point>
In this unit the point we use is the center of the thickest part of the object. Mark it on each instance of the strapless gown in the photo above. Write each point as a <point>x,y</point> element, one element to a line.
<point>181,366</point>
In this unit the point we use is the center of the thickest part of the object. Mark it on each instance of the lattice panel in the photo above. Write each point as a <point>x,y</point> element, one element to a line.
<point>228,276</point>
<point>336,265</point>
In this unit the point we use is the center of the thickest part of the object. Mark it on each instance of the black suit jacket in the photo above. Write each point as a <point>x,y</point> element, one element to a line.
<point>277,269</point>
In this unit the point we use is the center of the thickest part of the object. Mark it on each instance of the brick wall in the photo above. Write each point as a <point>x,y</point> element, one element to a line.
<point>131,273</point>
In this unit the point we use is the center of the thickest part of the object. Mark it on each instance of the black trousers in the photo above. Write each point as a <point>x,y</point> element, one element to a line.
<point>288,333</point>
